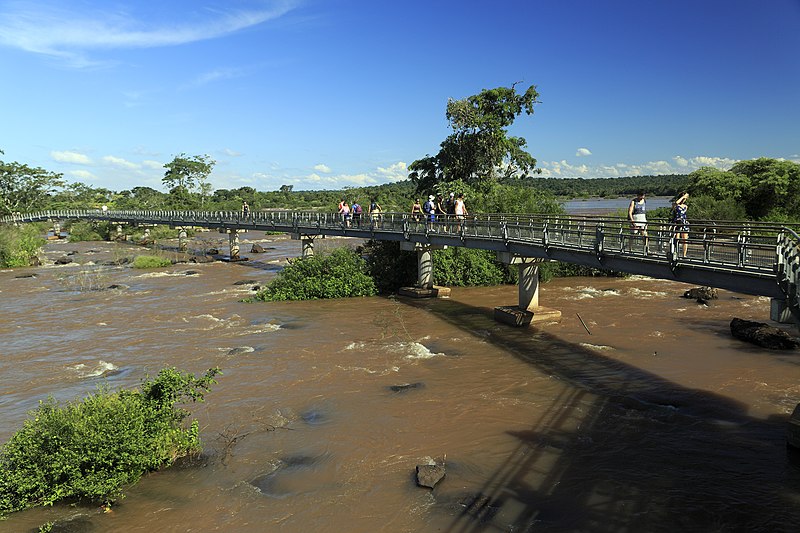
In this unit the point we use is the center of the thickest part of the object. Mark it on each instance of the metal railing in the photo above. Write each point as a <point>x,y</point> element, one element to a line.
<point>745,253</point>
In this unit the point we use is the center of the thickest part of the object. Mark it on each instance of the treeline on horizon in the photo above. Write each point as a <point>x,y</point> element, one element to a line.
<point>397,196</point>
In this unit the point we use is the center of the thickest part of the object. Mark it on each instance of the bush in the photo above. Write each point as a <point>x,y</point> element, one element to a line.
<point>85,230</point>
<point>464,267</point>
<point>340,274</point>
<point>150,261</point>
<point>390,267</point>
<point>19,246</point>
<point>89,450</point>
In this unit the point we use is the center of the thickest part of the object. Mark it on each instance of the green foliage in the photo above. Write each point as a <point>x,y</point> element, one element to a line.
<point>464,267</point>
<point>20,245</point>
<point>150,261</point>
<point>557,269</point>
<point>185,174</point>
<point>390,267</point>
<point>91,449</point>
<point>764,189</point>
<point>88,230</point>
<point>340,274</point>
<point>479,148</point>
<point>24,188</point>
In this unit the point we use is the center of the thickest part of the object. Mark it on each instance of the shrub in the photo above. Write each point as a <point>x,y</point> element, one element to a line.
<point>89,450</point>
<point>85,230</point>
<point>339,274</point>
<point>150,261</point>
<point>466,267</point>
<point>389,267</point>
<point>19,246</point>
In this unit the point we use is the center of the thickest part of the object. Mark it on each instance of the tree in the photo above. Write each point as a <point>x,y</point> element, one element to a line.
<point>185,174</point>
<point>480,148</point>
<point>23,188</point>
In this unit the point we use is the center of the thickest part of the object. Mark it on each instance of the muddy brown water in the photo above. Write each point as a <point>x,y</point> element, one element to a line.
<point>656,420</point>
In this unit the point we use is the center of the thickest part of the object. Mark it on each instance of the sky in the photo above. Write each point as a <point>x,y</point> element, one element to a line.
<point>328,94</point>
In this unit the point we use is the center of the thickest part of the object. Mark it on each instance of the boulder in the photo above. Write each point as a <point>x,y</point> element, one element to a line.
<point>246,282</point>
<point>63,260</point>
<point>191,273</point>
<point>701,293</point>
<point>406,387</point>
<point>212,251</point>
<point>257,249</point>
<point>429,475</point>
<point>763,335</point>
<point>202,259</point>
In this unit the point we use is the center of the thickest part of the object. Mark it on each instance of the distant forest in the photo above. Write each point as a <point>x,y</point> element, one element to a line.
<point>666,185</point>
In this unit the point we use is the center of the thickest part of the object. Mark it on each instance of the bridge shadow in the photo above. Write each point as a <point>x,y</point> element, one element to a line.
<point>622,449</point>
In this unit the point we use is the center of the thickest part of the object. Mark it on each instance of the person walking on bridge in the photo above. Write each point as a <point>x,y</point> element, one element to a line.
<point>638,216</point>
<point>679,209</point>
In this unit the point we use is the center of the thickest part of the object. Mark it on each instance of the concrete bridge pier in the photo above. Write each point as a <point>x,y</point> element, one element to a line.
<point>233,242</point>
<point>779,311</point>
<point>182,239</point>
<point>424,287</point>
<point>528,309</point>
<point>307,243</point>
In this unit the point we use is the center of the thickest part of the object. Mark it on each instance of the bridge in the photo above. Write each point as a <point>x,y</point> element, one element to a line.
<point>750,258</point>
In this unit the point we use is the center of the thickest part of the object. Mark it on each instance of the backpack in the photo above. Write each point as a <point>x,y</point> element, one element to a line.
<point>428,207</point>
<point>357,209</point>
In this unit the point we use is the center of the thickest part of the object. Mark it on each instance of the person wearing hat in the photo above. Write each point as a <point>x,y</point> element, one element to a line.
<point>430,211</point>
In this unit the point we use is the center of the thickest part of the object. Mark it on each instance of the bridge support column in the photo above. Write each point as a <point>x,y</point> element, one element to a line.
<point>56,231</point>
<point>424,287</point>
<point>528,309</point>
<point>233,242</point>
<point>306,242</point>
<point>779,311</point>
<point>120,233</point>
<point>182,244</point>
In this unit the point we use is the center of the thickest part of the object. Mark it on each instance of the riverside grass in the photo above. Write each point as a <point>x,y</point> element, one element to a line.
<point>89,450</point>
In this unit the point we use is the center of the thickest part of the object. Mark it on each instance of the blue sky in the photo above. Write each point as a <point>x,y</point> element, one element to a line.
<point>325,94</point>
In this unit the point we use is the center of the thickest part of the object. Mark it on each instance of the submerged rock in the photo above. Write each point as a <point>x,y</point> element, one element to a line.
<point>63,260</point>
<point>763,335</point>
<point>406,387</point>
<point>202,259</point>
<point>429,475</point>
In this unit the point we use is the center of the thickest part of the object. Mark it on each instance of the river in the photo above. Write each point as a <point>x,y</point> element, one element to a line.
<point>655,419</point>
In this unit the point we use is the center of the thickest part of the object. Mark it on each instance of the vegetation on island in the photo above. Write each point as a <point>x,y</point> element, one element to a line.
<point>150,261</point>
<point>338,274</point>
<point>90,450</point>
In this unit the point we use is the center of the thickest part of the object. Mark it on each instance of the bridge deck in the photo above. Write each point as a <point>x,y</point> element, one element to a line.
<point>750,258</point>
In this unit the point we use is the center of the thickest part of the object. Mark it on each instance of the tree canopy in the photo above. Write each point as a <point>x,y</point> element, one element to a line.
<point>480,147</point>
<point>24,188</point>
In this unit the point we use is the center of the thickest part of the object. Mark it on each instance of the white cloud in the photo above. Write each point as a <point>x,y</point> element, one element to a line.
<point>395,172</point>
<point>325,169</point>
<point>682,165</point>
<point>71,157</point>
<point>231,153</point>
<point>67,32</point>
<point>82,174</point>
<point>119,162</point>
<point>583,152</point>
<point>155,165</point>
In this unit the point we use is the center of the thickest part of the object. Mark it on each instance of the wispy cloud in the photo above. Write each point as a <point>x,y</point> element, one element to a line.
<point>75,158</point>
<point>69,29</point>
<point>120,162</point>
<point>582,152</point>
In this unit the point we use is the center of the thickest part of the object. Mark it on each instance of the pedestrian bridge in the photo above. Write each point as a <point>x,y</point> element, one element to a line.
<point>751,258</point>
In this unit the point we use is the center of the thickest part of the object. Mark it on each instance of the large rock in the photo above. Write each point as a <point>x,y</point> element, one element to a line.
<point>429,475</point>
<point>763,335</point>
<point>63,260</point>
<point>257,249</point>
<point>701,293</point>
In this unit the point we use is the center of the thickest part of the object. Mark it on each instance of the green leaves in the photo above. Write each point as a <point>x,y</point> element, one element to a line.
<point>479,148</point>
<point>340,274</point>
<point>92,448</point>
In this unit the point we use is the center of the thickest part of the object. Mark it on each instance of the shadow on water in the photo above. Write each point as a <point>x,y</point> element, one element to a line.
<point>622,449</point>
